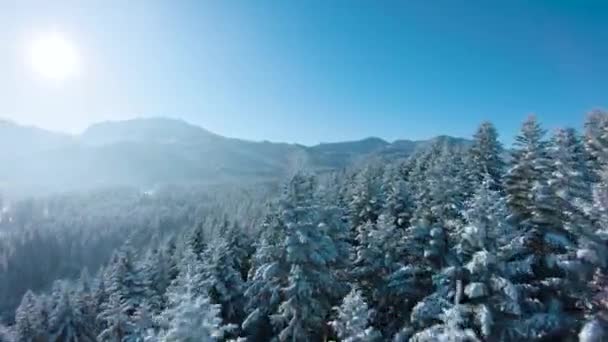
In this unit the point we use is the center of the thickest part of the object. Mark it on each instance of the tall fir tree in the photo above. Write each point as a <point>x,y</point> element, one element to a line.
<point>311,287</point>
<point>529,165</point>
<point>352,323</point>
<point>486,156</point>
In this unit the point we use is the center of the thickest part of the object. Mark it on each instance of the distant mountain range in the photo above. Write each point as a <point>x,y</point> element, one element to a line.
<point>152,151</point>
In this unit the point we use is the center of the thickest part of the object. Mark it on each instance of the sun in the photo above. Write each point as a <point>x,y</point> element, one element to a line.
<point>54,57</point>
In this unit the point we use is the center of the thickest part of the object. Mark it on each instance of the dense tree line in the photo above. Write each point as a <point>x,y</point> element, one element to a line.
<point>456,243</point>
<point>56,237</point>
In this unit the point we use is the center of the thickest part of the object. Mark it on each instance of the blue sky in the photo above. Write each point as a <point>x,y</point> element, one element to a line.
<point>311,71</point>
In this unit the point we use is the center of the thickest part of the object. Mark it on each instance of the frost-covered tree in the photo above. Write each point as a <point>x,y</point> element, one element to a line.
<point>190,316</point>
<point>65,323</point>
<point>352,323</point>
<point>124,280</point>
<point>117,322</point>
<point>377,257</point>
<point>365,195</point>
<point>596,141</point>
<point>266,279</point>
<point>311,287</point>
<point>222,281</point>
<point>528,166</point>
<point>486,155</point>
<point>84,303</point>
<point>399,202</point>
<point>31,319</point>
<point>241,248</point>
<point>155,278</point>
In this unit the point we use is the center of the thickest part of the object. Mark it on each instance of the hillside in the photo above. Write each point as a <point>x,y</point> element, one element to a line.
<point>148,152</point>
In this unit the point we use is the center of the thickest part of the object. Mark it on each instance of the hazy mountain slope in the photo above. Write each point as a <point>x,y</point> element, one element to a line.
<point>18,140</point>
<point>146,152</point>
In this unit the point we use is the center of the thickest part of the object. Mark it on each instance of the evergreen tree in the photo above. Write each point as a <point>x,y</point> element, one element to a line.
<point>31,320</point>
<point>84,304</point>
<point>399,201</point>
<point>310,252</point>
<point>528,167</point>
<point>268,275</point>
<point>124,280</point>
<point>117,322</point>
<point>378,251</point>
<point>66,324</point>
<point>366,196</point>
<point>190,317</point>
<point>596,142</point>
<point>222,281</point>
<point>241,248</point>
<point>486,156</point>
<point>352,321</point>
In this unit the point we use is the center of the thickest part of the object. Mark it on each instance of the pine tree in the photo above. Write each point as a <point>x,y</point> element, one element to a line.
<point>268,275</point>
<point>310,252</point>
<point>596,142</point>
<point>124,280</point>
<point>66,324</point>
<point>486,155</point>
<point>190,317</point>
<point>353,317</point>
<point>365,196</point>
<point>154,279</point>
<point>31,321</point>
<point>399,201</point>
<point>378,251</point>
<point>528,167</point>
<point>116,320</point>
<point>241,247</point>
<point>84,304</point>
<point>222,281</point>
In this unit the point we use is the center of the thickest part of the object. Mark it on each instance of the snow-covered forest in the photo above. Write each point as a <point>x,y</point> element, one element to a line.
<point>467,242</point>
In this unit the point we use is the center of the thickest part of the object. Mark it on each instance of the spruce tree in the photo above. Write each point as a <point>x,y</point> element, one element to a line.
<point>486,156</point>
<point>352,323</point>
<point>310,250</point>
<point>528,166</point>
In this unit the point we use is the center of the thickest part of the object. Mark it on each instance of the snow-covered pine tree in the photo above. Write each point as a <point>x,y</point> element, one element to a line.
<point>123,279</point>
<point>267,277</point>
<point>570,178</point>
<point>398,201</point>
<point>365,196</point>
<point>65,323</point>
<point>486,156</point>
<point>596,142</point>
<point>528,166</point>
<point>377,256</point>
<point>31,319</point>
<point>222,281</point>
<point>197,240</point>
<point>190,316</point>
<point>154,279</point>
<point>84,303</point>
<point>241,247</point>
<point>352,323</point>
<point>311,286</point>
<point>116,321</point>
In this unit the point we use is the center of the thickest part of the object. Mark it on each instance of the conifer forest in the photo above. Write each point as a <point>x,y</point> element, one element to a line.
<point>462,240</point>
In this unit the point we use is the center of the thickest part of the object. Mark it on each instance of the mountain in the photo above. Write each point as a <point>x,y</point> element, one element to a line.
<point>18,140</point>
<point>152,151</point>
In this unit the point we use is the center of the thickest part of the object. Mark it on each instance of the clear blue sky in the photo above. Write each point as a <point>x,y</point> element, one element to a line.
<point>312,70</point>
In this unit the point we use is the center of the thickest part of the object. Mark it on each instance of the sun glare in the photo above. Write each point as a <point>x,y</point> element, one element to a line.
<point>54,57</point>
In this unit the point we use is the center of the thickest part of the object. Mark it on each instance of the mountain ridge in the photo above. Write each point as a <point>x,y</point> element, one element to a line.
<point>149,151</point>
